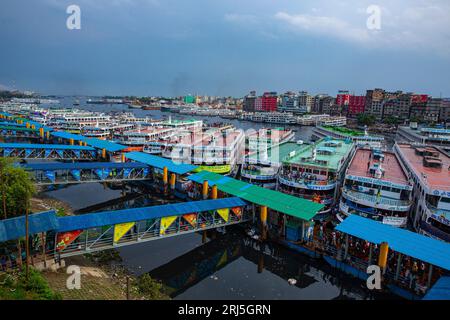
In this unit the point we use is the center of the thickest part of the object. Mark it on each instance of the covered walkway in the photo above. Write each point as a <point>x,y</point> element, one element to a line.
<point>281,202</point>
<point>83,172</point>
<point>47,151</point>
<point>74,235</point>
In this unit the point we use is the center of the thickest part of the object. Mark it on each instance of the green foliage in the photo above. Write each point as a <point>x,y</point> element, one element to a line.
<point>15,286</point>
<point>148,287</point>
<point>16,186</point>
<point>365,119</point>
<point>391,120</point>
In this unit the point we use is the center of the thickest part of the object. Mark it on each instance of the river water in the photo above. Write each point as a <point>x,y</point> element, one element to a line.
<point>229,266</point>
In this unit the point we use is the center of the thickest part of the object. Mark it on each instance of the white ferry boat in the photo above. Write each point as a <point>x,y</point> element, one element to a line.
<point>377,187</point>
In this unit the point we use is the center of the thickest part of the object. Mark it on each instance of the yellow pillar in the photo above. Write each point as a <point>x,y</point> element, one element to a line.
<point>263,222</point>
<point>41,132</point>
<point>71,142</point>
<point>173,179</point>
<point>382,258</point>
<point>165,178</point>
<point>104,153</point>
<point>27,125</point>
<point>205,190</point>
<point>123,157</point>
<point>33,126</point>
<point>48,135</point>
<point>80,143</point>
<point>214,192</point>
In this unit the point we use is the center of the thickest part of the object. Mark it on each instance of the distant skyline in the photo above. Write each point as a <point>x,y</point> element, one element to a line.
<point>224,48</point>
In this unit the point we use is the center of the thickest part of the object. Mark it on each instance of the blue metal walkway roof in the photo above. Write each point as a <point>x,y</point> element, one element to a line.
<point>44,146</point>
<point>158,162</point>
<point>93,142</point>
<point>14,228</point>
<point>440,290</point>
<point>107,218</point>
<point>406,242</point>
<point>81,165</point>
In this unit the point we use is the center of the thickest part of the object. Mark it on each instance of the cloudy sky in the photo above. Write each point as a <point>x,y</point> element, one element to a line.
<point>224,47</point>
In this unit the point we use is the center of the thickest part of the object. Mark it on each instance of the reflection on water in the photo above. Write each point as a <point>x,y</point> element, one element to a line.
<point>231,266</point>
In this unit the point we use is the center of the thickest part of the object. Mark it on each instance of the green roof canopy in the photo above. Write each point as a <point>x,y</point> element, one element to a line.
<point>290,205</point>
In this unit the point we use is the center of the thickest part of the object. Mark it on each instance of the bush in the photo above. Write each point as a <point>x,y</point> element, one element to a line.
<point>148,287</point>
<point>16,287</point>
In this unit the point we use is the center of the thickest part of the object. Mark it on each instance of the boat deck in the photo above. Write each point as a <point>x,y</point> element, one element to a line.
<point>392,169</point>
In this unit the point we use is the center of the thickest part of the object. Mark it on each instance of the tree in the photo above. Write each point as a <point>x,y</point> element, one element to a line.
<point>365,119</point>
<point>391,120</point>
<point>17,189</point>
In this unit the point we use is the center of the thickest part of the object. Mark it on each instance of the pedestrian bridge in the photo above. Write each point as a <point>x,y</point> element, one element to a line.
<point>87,233</point>
<point>86,172</point>
<point>47,151</point>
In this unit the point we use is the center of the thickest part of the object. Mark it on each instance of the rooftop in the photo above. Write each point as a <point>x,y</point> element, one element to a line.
<point>344,131</point>
<point>435,177</point>
<point>403,241</point>
<point>290,205</point>
<point>339,148</point>
<point>393,171</point>
<point>278,153</point>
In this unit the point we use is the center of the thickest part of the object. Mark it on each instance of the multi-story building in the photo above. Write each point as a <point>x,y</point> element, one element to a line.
<point>428,168</point>
<point>356,105</point>
<point>305,101</point>
<point>374,102</point>
<point>343,98</point>
<point>290,103</point>
<point>249,102</point>
<point>376,187</point>
<point>444,113</point>
<point>418,106</point>
<point>267,102</point>
<point>398,107</point>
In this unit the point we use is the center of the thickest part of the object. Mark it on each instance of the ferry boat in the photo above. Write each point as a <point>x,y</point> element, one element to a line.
<point>270,117</point>
<point>212,149</point>
<point>316,171</point>
<point>439,137</point>
<point>361,139</point>
<point>264,150</point>
<point>429,170</point>
<point>376,187</point>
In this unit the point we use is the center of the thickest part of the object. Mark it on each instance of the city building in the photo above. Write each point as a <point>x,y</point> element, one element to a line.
<point>249,102</point>
<point>356,105</point>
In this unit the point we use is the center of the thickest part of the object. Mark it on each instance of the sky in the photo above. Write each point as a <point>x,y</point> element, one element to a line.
<point>224,47</point>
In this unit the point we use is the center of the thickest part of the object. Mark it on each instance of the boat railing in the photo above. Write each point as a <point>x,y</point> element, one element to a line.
<point>358,196</point>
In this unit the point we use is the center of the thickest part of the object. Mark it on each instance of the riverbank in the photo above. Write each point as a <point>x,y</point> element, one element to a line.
<point>41,202</point>
<point>103,278</point>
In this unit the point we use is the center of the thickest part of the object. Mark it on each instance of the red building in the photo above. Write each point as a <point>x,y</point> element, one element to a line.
<point>343,99</point>
<point>267,102</point>
<point>356,105</point>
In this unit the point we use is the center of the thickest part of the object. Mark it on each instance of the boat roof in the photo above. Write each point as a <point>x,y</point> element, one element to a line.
<point>412,244</point>
<point>93,142</point>
<point>393,172</point>
<point>277,153</point>
<point>440,290</point>
<point>436,178</point>
<point>333,160</point>
<point>158,162</point>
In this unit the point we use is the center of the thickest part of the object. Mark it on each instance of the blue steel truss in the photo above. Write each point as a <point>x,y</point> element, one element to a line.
<point>72,173</point>
<point>47,151</point>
